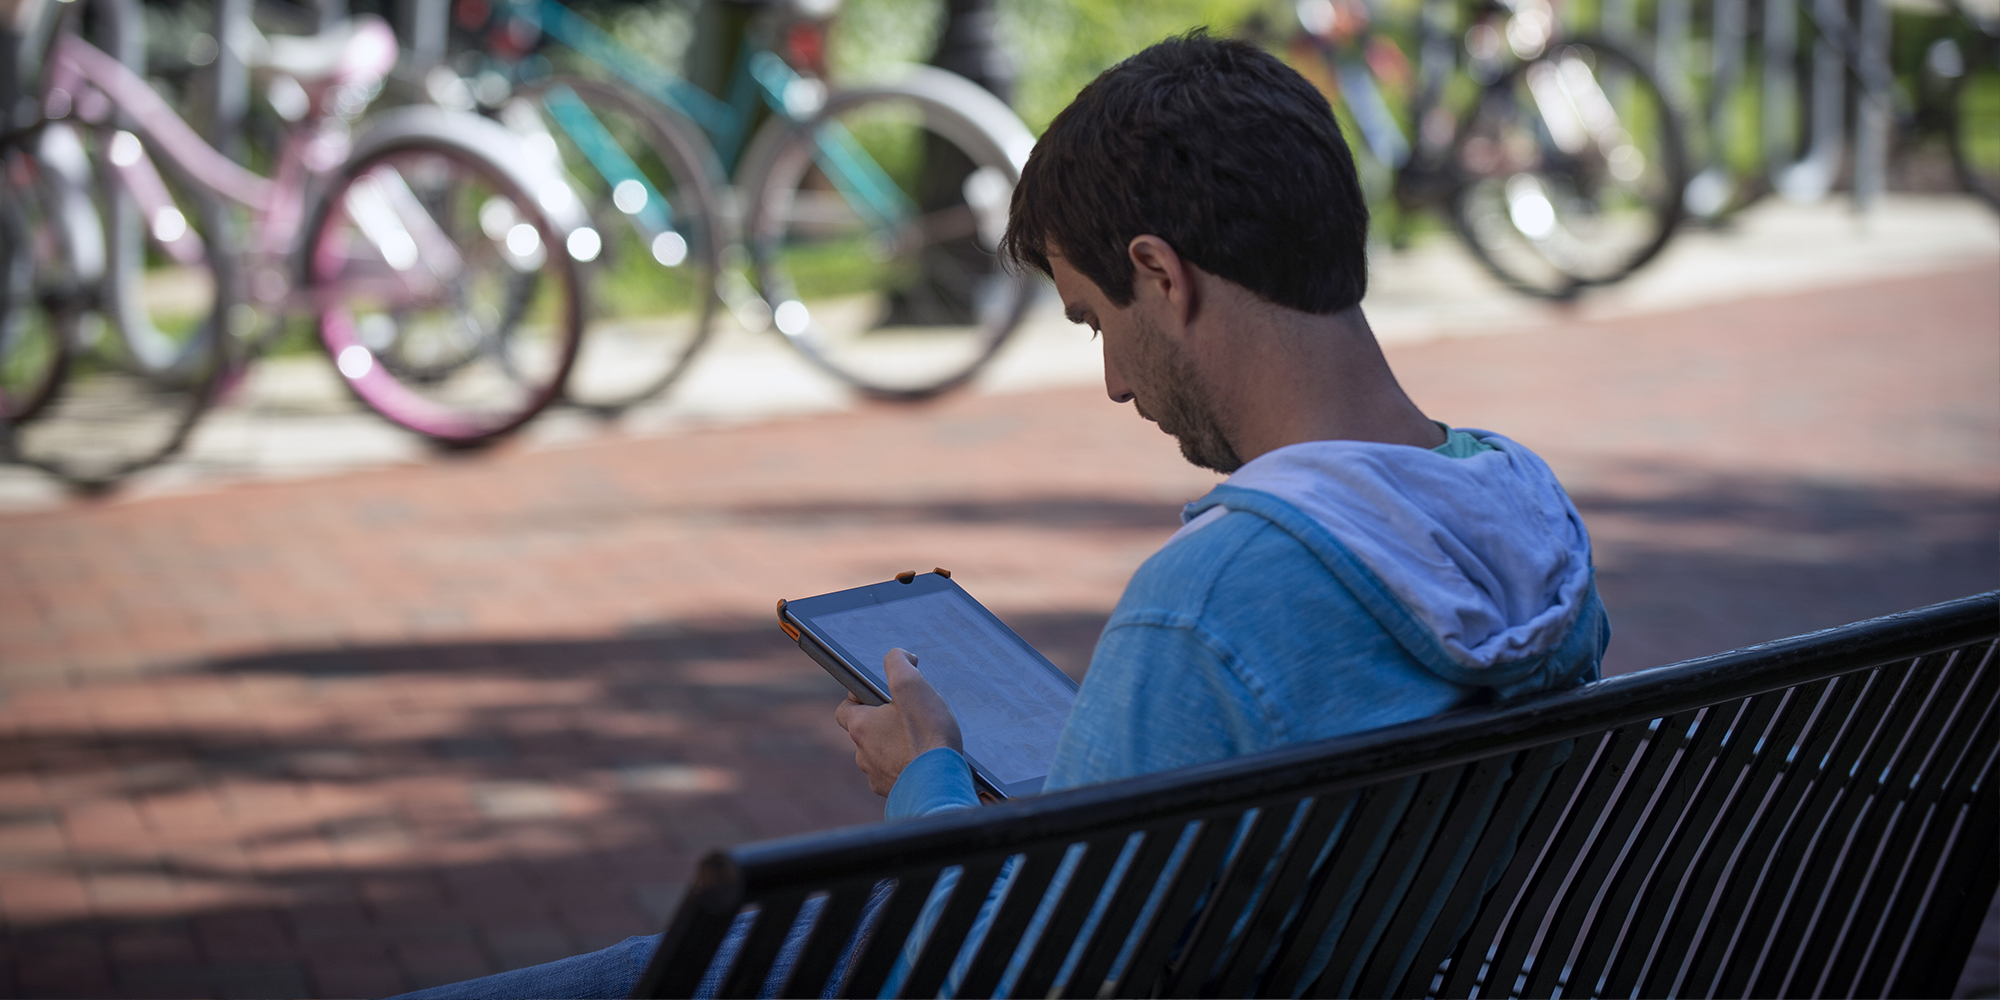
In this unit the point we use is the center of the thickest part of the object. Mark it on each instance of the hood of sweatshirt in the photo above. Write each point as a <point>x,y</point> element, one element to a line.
<point>1486,551</point>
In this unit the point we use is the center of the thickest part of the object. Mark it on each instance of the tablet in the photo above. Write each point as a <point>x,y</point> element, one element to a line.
<point>1010,701</point>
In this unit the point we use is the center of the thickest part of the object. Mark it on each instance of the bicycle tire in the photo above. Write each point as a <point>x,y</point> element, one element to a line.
<point>923,303</point>
<point>1571,170</point>
<point>651,302</point>
<point>440,269</point>
<point>114,414</point>
<point>1974,129</point>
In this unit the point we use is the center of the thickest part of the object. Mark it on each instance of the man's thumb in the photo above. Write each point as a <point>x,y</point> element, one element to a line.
<point>901,667</point>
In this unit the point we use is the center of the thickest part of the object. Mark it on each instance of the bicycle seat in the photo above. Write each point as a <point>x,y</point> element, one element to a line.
<point>362,50</point>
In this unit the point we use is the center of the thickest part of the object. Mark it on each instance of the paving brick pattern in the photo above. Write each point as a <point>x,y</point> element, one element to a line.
<point>350,736</point>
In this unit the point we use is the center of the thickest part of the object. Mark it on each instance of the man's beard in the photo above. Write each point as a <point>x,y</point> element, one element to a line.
<point>1170,393</point>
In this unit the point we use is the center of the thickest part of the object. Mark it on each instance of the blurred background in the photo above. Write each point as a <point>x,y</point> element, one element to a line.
<point>308,690</point>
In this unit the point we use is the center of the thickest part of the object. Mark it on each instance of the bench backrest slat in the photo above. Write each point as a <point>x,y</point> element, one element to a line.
<point>1827,792</point>
<point>940,949</point>
<point>1321,819</point>
<point>1687,747</point>
<point>1024,897</point>
<point>1128,891</point>
<point>1709,911</point>
<point>829,938</point>
<point>1497,831</point>
<point>1942,933</point>
<point>885,940</point>
<point>1896,807</point>
<point>1262,849</point>
<point>767,935</point>
<point>1611,847</point>
<point>1051,948</point>
<point>1387,886</point>
<point>1816,816</point>
<point>1172,909</point>
<point>1550,780</point>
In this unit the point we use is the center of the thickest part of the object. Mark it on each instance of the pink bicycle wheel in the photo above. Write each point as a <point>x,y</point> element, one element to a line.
<point>446,298</point>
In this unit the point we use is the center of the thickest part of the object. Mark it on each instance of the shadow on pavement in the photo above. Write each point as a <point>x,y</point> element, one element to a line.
<point>395,816</point>
<point>1044,512</point>
<point>1692,562</point>
<point>368,819</point>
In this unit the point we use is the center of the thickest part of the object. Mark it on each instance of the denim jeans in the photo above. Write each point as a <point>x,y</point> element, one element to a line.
<point>611,972</point>
<point>614,971</point>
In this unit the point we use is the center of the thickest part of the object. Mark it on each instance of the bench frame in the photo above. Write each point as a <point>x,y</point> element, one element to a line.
<point>1816,815</point>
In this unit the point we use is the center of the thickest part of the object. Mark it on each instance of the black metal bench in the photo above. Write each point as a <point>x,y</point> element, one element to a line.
<point>1814,816</point>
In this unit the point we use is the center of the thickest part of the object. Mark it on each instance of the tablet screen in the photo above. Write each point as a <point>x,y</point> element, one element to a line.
<point>1010,709</point>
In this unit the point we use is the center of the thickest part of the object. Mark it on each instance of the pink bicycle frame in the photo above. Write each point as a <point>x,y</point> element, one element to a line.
<point>95,85</point>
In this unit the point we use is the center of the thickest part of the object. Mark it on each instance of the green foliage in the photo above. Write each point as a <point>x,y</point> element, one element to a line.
<point>1978,110</point>
<point>1061,45</point>
<point>1057,45</point>
<point>842,266</point>
<point>628,282</point>
<point>661,32</point>
<point>871,34</point>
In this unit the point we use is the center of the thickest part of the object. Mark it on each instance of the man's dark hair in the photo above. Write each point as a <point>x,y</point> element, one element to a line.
<point>1214,146</point>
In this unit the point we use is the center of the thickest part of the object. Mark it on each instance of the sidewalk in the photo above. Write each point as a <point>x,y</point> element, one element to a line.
<point>293,419</point>
<point>416,721</point>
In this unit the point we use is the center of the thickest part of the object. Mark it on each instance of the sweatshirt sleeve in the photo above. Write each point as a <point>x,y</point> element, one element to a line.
<point>1161,693</point>
<point>938,781</point>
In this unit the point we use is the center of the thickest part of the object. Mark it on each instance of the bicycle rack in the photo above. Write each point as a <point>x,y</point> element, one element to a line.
<point>1871,112</point>
<point>1671,26</point>
<point>1618,21</point>
<point>1714,188</point>
<point>1805,138</point>
<point>1809,177</point>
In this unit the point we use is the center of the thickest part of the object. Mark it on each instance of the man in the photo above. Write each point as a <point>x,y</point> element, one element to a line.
<point>1363,565</point>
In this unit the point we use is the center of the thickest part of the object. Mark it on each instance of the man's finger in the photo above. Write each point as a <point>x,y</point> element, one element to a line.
<point>845,714</point>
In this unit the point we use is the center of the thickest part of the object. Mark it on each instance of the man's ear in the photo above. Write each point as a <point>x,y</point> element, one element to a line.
<point>1159,273</point>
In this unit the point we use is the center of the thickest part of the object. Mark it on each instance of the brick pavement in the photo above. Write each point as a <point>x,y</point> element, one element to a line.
<point>349,736</point>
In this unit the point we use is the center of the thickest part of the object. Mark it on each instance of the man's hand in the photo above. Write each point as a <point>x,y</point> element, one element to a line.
<point>888,737</point>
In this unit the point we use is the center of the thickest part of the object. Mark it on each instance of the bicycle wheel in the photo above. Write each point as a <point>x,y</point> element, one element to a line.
<point>1571,170</point>
<point>1975,125</point>
<point>644,177</point>
<point>873,227</point>
<point>445,294</point>
<point>116,412</point>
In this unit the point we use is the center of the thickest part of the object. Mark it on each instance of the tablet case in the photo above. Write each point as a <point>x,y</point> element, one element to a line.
<point>865,691</point>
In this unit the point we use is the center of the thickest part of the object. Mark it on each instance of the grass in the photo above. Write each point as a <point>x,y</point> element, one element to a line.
<point>634,283</point>
<point>1979,121</point>
<point>827,268</point>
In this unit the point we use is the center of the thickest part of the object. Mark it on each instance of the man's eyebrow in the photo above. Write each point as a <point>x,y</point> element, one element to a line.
<point>1076,313</point>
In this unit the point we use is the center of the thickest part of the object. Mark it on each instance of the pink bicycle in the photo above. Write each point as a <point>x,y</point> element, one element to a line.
<point>434,251</point>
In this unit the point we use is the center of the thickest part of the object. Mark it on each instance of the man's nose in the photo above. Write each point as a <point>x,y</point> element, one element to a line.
<point>1114,384</point>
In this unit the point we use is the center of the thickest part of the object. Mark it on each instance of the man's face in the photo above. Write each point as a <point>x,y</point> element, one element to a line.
<point>1142,364</point>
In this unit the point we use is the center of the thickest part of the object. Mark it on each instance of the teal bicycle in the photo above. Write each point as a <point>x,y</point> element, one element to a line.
<point>859,223</point>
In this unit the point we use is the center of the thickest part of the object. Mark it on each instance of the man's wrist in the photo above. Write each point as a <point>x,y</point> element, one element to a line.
<point>937,780</point>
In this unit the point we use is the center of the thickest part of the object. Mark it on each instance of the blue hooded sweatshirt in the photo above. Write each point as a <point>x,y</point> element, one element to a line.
<point>1326,588</point>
